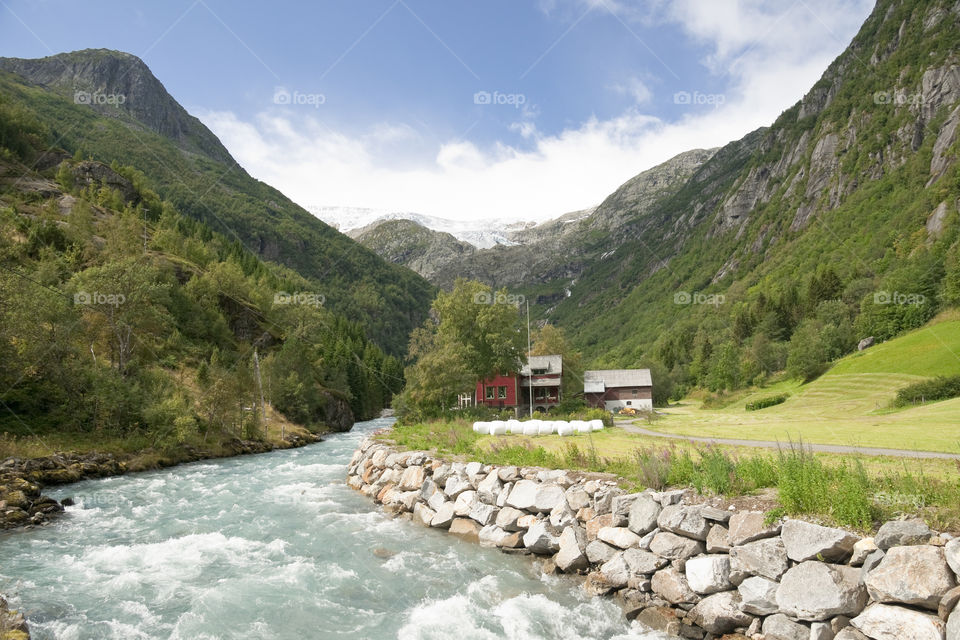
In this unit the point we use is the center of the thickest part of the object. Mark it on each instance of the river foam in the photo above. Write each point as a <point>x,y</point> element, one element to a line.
<point>275,545</point>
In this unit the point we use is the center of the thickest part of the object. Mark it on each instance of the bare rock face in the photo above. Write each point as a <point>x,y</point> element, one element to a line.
<point>709,573</point>
<point>720,613</point>
<point>917,575</point>
<point>897,533</point>
<point>767,558</point>
<point>816,591</point>
<point>759,595</point>
<point>887,622</point>
<point>684,520</point>
<point>780,627</point>
<point>808,541</point>
<point>671,585</point>
<point>748,526</point>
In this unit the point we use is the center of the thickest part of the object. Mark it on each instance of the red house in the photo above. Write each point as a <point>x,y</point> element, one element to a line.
<point>539,380</point>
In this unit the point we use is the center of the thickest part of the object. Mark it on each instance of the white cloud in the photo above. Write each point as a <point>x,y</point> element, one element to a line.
<point>768,55</point>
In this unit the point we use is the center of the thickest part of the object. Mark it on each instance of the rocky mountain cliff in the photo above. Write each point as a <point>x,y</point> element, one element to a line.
<point>555,251</point>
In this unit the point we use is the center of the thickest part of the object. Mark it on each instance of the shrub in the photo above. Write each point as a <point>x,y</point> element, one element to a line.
<point>939,388</point>
<point>769,401</point>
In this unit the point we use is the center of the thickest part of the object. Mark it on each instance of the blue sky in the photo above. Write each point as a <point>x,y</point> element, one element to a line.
<point>457,108</point>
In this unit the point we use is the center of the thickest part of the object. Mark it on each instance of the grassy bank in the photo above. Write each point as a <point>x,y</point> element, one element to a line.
<point>851,404</point>
<point>853,491</point>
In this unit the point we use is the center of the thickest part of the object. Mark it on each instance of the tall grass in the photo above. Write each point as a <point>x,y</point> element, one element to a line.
<point>843,493</point>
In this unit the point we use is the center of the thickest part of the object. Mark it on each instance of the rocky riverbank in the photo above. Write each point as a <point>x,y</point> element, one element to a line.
<point>22,480</point>
<point>678,565</point>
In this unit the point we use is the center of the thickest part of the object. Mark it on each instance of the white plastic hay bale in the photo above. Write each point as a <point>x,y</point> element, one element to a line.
<point>531,427</point>
<point>480,427</point>
<point>547,427</point>
<point>498,428</point>
<point>582,426</point>
<point>514,426</point>
<point>596,425</point>
<point>565,428</point>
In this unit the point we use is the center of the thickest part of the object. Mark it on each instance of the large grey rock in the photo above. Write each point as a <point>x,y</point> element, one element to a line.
<point>720,613</point>
<point>767,558</point>
<point>599,552</point>
<point>953,625</point>
<point>523,495</point>
<point>808,541</point>
<point>507,474</point>
<point>620,505</point>
<point>671,585</point>
<point>412,479</point>
<point>492,536</point>
<point>643,562</point>
<point>748,526</point>
<point>850,633</point>
<point>540,539</point>
<point>507,518</point>
<point>780,627</point>
<point>897,533</point>
<point>603,499</point>
<point>709,573</point>
<point>444,516</point>
<point>952,553</point>
<point>422,514</point>
<point>620,537</point>
<point>718,540</point>
<point>473,468</point>
<point>572,556</point>
<point>577,498</point>
<point>816,591</point>
<point>615,571</point>
<point>861,549</point>
<point>822,631</point>
<point>562,516</point>
<point>456,485</point>
<point>466,528</point>
<point>948,603</point>
<point>463,505</point>
<point>428,489</point>
<point>489,488</point>
<point>917,575</point>
<point>547,497</point>
<point>684,520</point>
<point>759,595</point>
<point>643,515</point>
<point>888,622</point>
<point>670,545</point>
<point>483,513</point>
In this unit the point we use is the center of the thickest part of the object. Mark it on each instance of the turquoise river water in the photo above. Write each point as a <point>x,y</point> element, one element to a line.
<point>275,546</point>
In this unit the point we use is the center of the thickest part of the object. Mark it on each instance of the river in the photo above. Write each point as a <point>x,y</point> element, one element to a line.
<point>275,546</point>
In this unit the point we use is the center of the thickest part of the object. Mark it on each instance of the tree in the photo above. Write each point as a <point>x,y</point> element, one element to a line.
<point>807,357</point>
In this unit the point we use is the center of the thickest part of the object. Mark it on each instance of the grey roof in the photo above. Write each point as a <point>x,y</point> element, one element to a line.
<point>616,378</point>
<point>594,386</point>
<point>553,364</point>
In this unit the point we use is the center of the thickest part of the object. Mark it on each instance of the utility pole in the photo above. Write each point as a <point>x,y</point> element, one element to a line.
<point>263,404</point>
<point>530,379</point>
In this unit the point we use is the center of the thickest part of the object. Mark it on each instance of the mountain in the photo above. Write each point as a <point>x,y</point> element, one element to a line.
<point>482,234</point>
<point>555,252</point>
<point>108,105</point>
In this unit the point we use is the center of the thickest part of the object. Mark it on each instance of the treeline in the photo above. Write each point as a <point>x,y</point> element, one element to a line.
<point>120,316</point>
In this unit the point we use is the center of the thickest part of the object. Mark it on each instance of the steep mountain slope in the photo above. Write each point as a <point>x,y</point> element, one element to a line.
<point>408,243</point>
<point>553,252</point>
<point>841,217</point>
<point>108,105</point>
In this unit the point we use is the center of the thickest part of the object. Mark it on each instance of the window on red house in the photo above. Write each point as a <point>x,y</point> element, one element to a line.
<point>501,393</point>
<point>489,393</point>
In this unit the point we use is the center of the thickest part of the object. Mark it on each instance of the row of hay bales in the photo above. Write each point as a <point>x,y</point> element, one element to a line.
<point>537,427</point>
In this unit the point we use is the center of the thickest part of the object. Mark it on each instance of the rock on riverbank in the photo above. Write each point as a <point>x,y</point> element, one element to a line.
<point>677,566</point>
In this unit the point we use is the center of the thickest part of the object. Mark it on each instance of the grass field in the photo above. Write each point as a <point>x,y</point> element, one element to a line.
<point>850,403</point>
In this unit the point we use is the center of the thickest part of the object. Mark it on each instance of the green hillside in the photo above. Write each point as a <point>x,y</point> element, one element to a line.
<point>851,403</point>
<point>184,163</point>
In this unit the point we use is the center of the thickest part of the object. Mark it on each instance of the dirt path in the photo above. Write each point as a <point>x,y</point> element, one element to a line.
<point>770,444</point>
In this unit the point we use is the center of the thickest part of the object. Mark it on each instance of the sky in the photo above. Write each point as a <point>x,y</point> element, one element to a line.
<point>462,109</point>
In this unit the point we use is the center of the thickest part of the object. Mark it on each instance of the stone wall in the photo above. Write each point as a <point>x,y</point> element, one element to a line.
<point>688,569</point>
